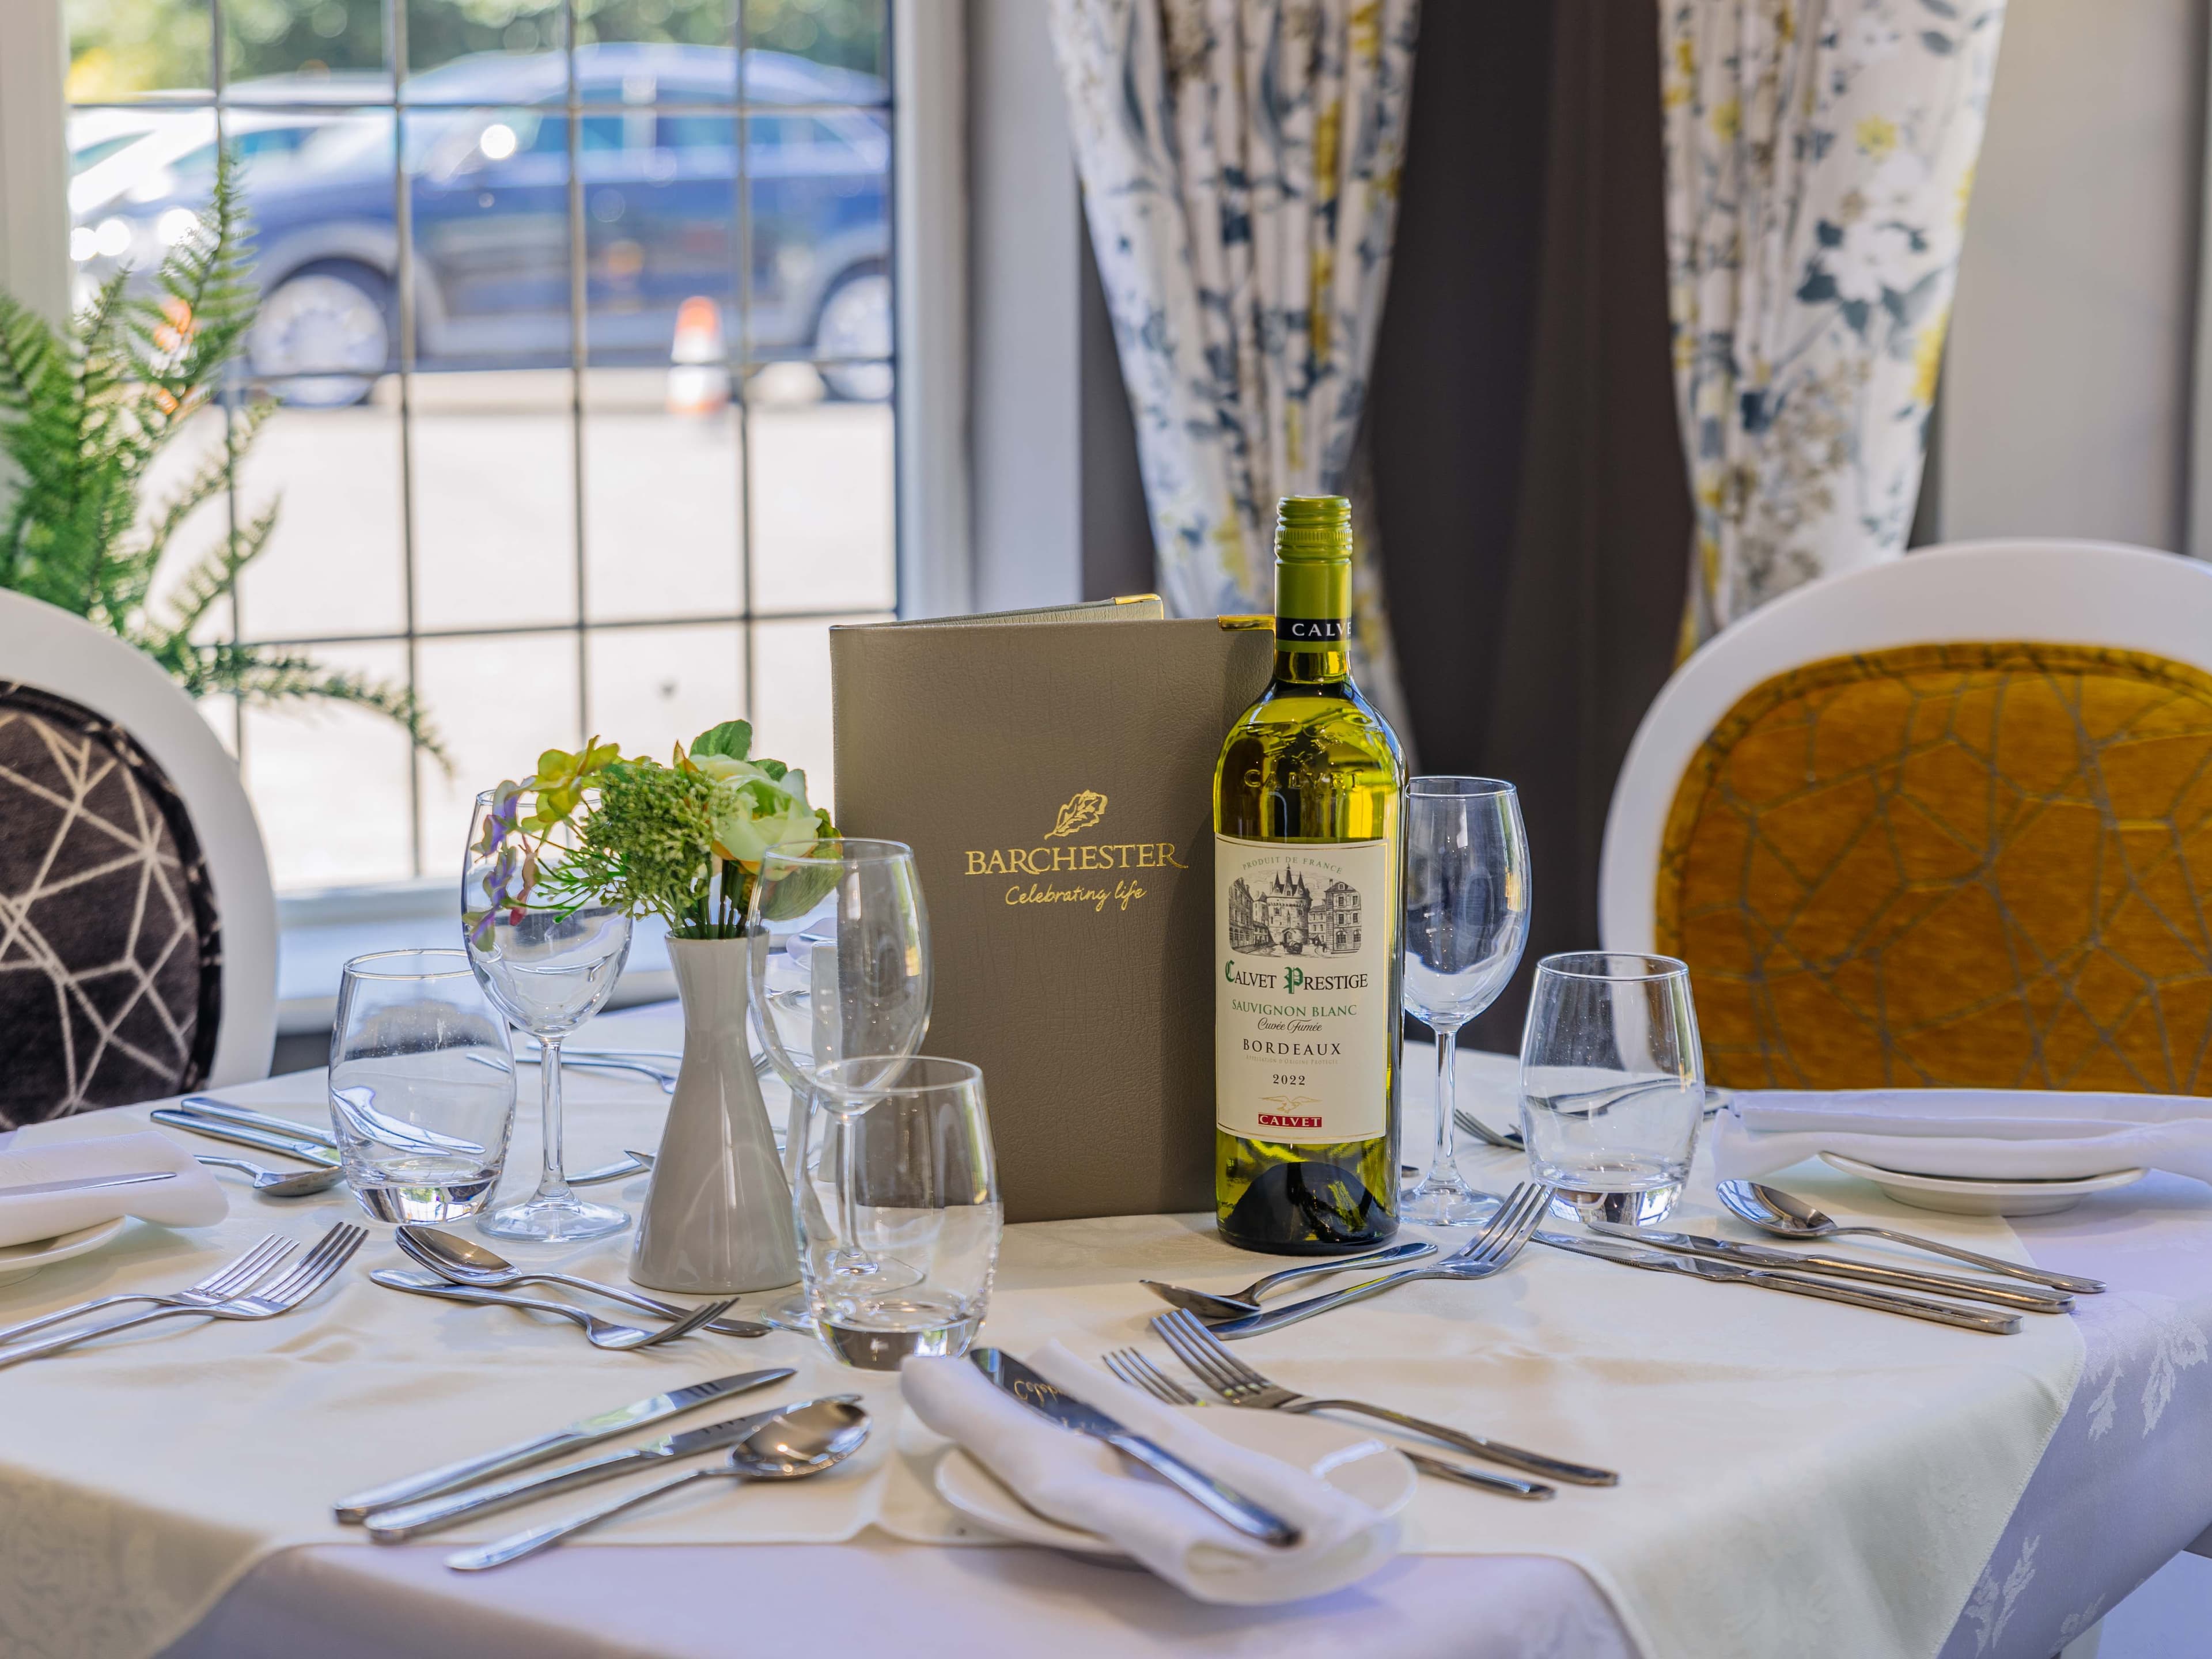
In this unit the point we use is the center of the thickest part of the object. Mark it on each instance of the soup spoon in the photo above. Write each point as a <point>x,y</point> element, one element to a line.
<point>1773,1211</point>
<point>280,1183</point>
<point>817,1436</point>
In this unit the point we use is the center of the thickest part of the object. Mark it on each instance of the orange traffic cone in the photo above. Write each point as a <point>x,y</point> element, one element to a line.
<point>698,369</point>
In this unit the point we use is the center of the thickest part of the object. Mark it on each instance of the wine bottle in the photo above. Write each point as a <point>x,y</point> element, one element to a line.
<point>1308,842</point>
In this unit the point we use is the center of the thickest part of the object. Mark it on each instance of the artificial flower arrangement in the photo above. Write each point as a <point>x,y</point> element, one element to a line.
<point>682,840</point>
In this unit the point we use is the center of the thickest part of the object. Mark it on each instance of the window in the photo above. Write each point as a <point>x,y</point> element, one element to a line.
<point>579,317</point>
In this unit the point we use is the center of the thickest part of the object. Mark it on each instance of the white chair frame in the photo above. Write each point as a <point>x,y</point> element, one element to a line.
<point>2094,593</point>
<point>46,648</point>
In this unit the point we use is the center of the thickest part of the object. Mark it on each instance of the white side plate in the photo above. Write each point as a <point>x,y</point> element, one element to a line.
<point>1356,1464</point>
<point>21,1261</point>
<point>1959,1196</point>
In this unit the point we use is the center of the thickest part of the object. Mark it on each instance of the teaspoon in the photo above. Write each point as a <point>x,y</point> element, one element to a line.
<point>815,1437</point>
<point>280,1183</point>
<point>1773,1211</point>
<point>1237,1304</point>
<point>464,1261</point>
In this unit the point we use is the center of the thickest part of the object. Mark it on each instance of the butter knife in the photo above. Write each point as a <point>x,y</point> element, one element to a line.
<point>1842,1266</point>
<point>209,1106</point>
<point>86,1183</point>
<point>1767,1278</point>
<point>395,1526</point>
<point>1056,1405</point>
<point>584,1431</point>
<point>267,1140</point>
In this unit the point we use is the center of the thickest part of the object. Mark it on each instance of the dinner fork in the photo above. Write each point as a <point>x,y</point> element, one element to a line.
<point>1139,1372</point>
<point>599,1332</point>
<point>1490,1251</point>
<point>224,1282</point>
<point>332,1252</point>
<point>1240,1385</point>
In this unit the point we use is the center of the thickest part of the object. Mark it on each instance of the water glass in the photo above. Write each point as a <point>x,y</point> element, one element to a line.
<point>421,1085</point>
<point>1466,922</point>
<point>1613,1083</point>
<point>897,1204</point>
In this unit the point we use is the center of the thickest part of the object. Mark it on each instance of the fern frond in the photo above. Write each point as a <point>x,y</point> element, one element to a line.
<point>263,675</point>
<point>214,575</point>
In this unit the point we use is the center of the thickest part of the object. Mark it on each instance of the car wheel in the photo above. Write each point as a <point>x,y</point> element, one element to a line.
<point>323,335</point>
<point>856,322</point>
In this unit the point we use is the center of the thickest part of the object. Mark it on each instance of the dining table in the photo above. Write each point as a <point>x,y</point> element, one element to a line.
<point>1871,1483</point>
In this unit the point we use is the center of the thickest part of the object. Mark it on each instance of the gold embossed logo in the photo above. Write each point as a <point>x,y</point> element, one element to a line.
<point>1081,813</point>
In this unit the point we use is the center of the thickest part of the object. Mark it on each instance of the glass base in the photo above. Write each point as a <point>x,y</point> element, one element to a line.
<point>1646,1208</point>
<point>1448,1203</point>
<point>885,1344</point>
<point>424,1201</point>
<point>557,1218</point>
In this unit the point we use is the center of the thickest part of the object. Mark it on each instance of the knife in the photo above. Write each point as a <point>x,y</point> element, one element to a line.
<point>209,1106</point>
<point>395,1526</point>
<point>86,1183</point>
<point>584,1431</point>
<point>1841,1266</point>
<point>239,1134</point>
<point>1764,1278</point>
<point>1056,1405</point>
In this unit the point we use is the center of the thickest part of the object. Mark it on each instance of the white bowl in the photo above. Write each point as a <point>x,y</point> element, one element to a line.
<point>1957,1195</point>
<point>21,1261</point>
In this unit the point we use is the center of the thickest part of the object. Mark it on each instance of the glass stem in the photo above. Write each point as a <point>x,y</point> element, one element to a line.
<point>857,1258</point>
<point>1444,1168</point>
<point>554,1183</point>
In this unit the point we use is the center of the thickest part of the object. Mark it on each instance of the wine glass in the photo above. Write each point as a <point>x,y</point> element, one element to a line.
<point>548,969</point>
<point>1467,921</point>
<point>853,907</point>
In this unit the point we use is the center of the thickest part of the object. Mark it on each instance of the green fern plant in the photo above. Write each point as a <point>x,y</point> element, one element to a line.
<point>84,412</point>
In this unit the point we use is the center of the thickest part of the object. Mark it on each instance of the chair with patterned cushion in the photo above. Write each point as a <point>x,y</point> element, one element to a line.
<point>1945,821</point>
<point>137,928</point>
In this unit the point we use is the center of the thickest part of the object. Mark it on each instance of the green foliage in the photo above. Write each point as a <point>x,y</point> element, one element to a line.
<point>83,417</point>
<point>647,846</point>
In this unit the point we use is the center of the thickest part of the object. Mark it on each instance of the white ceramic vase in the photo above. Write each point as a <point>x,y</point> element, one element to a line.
<point>717,1219</point>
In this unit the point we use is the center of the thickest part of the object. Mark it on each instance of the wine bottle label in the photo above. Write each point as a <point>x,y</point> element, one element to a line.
<point>1312,631</point>
<point>1302,988</point>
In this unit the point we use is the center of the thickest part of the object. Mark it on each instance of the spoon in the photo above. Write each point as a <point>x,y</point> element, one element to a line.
<point>280,1183</point>
<point>1235,1305</point>
<point>1773,1211</point>
<point>599,1332</point>
<point>464,1261</point>
<point>805,1440</point>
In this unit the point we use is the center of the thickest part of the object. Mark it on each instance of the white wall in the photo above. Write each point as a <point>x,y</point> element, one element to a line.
<point>2067,389</point>
<point>33,164</point>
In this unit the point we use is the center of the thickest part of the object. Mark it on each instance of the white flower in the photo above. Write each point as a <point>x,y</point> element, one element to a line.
<point>752,810</point>
<point>1898,182</point>
<point>1872,257</point>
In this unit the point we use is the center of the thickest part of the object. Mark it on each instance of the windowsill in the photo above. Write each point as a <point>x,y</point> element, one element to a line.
<point>317,933</point>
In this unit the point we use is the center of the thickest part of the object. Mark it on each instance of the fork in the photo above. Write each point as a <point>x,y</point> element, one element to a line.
<point>332,1252</point>
<point>1490,1251</point>
<point>224,1282</point>
<point>1240,1385</point>
<point>1139,1372</point>
<point>599,1332</point>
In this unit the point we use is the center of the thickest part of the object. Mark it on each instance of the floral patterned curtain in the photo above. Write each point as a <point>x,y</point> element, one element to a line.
<point>1240,164</point>
<point>1820,153</point>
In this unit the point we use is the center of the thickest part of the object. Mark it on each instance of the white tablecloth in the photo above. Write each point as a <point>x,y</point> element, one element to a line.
<point>1791,1471</point>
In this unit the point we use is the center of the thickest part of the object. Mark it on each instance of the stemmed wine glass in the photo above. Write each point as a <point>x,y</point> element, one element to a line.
<point>549,969</point>
<point>1467,921</point>
<point>854,908</point>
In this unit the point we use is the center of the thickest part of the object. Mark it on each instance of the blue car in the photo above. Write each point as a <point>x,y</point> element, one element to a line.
<point>485,155</point>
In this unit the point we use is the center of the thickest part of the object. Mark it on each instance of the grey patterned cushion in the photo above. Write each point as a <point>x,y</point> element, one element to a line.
<point>111,959</point>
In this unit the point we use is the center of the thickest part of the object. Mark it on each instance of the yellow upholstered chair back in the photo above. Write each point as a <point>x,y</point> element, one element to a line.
<point>1981,865</point>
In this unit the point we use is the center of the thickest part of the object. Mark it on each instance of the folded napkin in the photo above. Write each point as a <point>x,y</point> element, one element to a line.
<point>192,1199</point>
<point>1998,1134</point>
<point>1082,1482</point>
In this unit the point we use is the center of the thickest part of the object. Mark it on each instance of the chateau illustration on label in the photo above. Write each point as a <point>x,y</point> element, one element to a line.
<point>1288,918</point>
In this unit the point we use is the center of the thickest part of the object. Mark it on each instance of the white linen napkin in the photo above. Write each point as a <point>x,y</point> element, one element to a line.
<point>194,1199</point>
<point>2000,1134</point>
<point>1082,1482</point>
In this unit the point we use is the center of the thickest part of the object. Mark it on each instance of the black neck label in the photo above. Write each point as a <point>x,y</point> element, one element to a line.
<point>1312,631</point>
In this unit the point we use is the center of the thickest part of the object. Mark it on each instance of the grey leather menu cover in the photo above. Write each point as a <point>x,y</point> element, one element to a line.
<point>1054,779</point>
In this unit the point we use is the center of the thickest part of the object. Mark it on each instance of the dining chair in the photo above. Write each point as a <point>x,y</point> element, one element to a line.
<point>1944,820</point>
<point>138,925</point>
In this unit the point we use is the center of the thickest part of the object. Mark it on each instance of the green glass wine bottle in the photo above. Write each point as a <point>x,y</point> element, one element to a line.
<point>1308,837</point>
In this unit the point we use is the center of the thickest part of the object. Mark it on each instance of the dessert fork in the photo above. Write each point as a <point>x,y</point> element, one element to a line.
<point>224,1282</point>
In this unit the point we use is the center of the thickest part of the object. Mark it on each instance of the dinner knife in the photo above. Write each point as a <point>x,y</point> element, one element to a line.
<point>209,1106</point>
<point>1056,1405</point>
<point>1767,1278</point>
<point>584,1431</point>
<point>395,1526</point>
<point>86,1183</point>
<point>1841,1266</point>
<point>239,1134</point>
